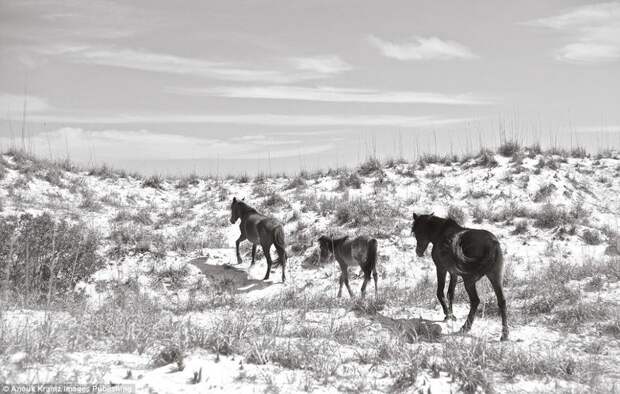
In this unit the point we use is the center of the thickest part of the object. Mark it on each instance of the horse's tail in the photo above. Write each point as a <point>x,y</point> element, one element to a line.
<point>498,258</point>
<point>278,237</point>
<point>371,257</point>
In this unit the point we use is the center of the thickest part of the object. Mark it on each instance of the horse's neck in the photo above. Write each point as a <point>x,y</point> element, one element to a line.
<point>442,229</point>
<point>336,243</point>
<point>245,210</point>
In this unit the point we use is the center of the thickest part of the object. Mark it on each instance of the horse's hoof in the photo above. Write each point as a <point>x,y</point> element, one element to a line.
<point>283,279</point>
<point>266,277</point>
<point>464,330</point>
<point>449,317</point>
<point>504,337</point>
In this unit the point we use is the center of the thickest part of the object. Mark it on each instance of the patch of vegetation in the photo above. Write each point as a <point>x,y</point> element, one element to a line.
<point>154,182</point>
<point>544,192</point>
<point>273,200</point>
<point>457,214</point>
<point>296,183</point>
<point>44,257</point>
<point>591,237</point>
<point>486,158</point>
<point>509,148</point>
<point>349,180</point>
<point>550,216</point>
<point>370,166</point>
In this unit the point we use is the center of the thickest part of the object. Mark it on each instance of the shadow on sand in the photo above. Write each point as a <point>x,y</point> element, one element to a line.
<point>412,330</point>
<point>237,278</point>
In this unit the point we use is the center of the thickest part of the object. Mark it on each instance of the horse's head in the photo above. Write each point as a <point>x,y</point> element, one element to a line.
<point>420,228</point>
<point>234,210</point>
<point>325,248</point>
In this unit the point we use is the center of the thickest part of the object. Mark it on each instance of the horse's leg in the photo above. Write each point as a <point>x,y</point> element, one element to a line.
<point>496,282</point>
<point>282,258</point>
<point>366,279</point>
<point>346,281</point>
<point>341,283</point>
<point>241,238</point>
<point>441,283</point>
<point>268,256</point>
<point>374,276</point>
<point>474,301</point>
<point>253,253</point>
<point>451,287</point>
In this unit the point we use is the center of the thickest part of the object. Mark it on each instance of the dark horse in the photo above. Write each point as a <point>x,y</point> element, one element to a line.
<point>259,229</point>
<point>351,251</point>
<point>464,252</point>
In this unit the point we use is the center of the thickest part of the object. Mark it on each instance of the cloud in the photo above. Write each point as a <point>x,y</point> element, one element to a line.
<point>330,64</point>
<point>13,105</point>
<point>332,94</point>
<point>599,129</point>
<point>171,64</point>
<point>113,144</point>
<point>594,32</point>
<point>420,48</point>
<point>260,119</point>
<point>581,52</point>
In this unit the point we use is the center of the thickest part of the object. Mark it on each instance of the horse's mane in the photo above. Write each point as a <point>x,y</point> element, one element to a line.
<point>245,208</point>
<point>443,226</point>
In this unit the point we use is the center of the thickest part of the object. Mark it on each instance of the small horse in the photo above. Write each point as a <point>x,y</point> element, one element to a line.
<point>464,252</point>
<point>259,229</point>
<point>361,250</point>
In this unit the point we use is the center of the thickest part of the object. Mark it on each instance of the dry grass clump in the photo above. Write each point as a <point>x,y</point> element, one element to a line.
<point>154,182</point>
<point>129,239</point>
<point>591,237</point>
<point>296,183</point>
<point>509,148</point>
<point>191,238</point>
<point>457,214</point>
<point>349,180</point>
<point>486,158</point>
<point>370,166</point>
<point>544,192</point>
<point>187,181</point>
<point>550,216</point>
<point>45,257</point>
<point>521,227</point>
<point>378,219</point>
<point>274,200</point>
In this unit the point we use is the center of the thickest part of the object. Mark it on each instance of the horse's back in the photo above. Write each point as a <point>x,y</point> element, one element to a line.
<point>359,248</point>
<point>478,243</point>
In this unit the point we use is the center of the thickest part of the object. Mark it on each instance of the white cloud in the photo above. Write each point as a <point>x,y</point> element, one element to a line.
<point>594,32</point>
<point>13,105</point>
<point>330,64</point>
<point>112,144</point>
<point>581,52</point>
<point>332,94</point>
<point>421,48</point>
<point>165,63</point>
<point>599,129</point>
<point>261,119</point>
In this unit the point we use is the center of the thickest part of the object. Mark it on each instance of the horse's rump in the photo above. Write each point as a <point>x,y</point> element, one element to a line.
<point>475,251</point>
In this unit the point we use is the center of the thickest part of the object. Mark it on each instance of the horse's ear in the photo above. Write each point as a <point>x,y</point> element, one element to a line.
<point>243,199</point>
<point>432,214</point>
<point>234,199</point>
<point>415,216</point>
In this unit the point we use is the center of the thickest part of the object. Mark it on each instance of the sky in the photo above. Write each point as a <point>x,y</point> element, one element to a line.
<point>281,86</point>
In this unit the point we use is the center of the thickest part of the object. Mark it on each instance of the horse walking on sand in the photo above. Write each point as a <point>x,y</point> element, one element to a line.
<point>260,230</point>
<point>465,252</point>
<point>361,250</point>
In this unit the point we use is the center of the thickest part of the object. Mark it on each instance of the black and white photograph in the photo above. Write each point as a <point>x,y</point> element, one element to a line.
<point>312,196</point>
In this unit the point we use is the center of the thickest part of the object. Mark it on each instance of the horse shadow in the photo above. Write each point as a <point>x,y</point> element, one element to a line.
<point>229,275</point>
<point>411,330</point>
